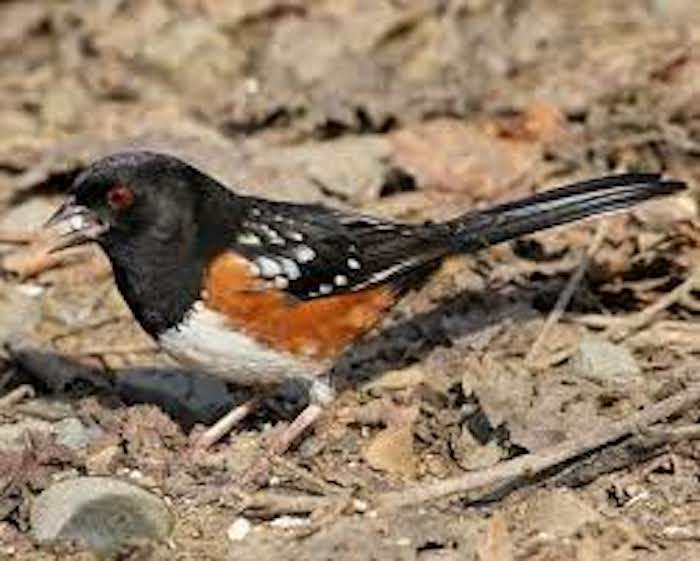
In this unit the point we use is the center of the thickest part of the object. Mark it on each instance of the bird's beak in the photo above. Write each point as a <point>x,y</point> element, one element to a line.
<point>74,225</point>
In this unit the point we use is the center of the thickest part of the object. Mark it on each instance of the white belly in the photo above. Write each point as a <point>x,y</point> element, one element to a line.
<point>204,341</point>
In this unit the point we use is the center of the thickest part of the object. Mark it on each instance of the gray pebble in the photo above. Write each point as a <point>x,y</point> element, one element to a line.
<point>99,513</point>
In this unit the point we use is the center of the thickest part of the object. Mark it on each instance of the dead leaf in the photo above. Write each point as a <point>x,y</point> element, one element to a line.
<point>397,379</point>
<point>540,122</point>
<point>392,449</point>
<point>497,544</point>
<point>483,159</point>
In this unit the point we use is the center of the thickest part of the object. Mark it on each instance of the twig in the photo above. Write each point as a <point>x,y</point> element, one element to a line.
<point>619,328</point>
<point>321,485</point>
<point>82,328</point>
<point>531,464</point>
<point>116,350</point>
<point>674,434</point>
<point>677,295</point>
<point>566,294</point>
<point>18,236</point>
<point>37,257</point>
<point>266,504</point>
<point>20,393</point>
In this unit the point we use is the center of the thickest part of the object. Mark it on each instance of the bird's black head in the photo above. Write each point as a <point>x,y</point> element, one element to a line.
<point>157,218</point>
<point>130,198</point>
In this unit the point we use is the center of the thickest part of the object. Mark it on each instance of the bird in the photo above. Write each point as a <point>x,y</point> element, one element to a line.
<point>257,291</point>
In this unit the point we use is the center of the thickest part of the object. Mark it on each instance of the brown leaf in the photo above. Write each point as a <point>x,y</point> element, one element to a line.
<point>482,159</point>
<point>497,544</point>
<point>392,449</point>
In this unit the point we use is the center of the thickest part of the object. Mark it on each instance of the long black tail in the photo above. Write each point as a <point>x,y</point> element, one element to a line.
<point>476,230</point>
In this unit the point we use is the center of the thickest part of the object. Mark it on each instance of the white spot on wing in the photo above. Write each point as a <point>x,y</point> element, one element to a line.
<point>353,263</point>
<point>248,238</point>
<point>281,283</point>
<point>268,267</point>
<point>272,235</point>
<point>290,268</point>
<point>340,280</point>
<point>325,289</point>
<point>304,254</point>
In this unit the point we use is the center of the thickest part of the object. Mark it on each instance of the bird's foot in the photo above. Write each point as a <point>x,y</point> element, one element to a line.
<point>224,425</point>
<point>283,437</point>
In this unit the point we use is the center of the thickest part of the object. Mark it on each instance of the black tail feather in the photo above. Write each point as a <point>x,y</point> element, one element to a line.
<point>480,229</point>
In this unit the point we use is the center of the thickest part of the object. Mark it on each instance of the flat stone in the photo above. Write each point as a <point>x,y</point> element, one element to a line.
<point>69,432</point>
<point>72,434</point>
<point>99,513</point>
<point>603,361</point>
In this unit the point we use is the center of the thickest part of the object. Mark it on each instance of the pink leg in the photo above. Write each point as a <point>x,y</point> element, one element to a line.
<point>224,425</point>
<point>281,442</point>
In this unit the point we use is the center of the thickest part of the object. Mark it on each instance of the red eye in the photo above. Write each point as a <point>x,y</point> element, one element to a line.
<point>120,197</point>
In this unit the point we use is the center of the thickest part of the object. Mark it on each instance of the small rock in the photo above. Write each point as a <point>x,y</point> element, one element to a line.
<point>603,361</point>
<point>72,434</point>
<point>239,529</point>
<point>100,513</point>
<point>471,454</point>
<point>69,432</point>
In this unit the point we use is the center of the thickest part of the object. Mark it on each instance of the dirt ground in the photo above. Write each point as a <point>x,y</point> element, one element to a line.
<point>413,109</point>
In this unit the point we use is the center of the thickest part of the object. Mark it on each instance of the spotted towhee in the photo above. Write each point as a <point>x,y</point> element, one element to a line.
<point>256,291</point>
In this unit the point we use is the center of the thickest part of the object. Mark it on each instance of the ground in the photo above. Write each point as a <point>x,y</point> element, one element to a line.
<point>413,109</point>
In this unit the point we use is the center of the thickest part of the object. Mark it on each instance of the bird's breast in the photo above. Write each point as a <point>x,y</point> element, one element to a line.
<point>206,341</point>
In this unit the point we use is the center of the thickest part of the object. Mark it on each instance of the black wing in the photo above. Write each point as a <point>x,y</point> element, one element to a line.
<point>312,251</point>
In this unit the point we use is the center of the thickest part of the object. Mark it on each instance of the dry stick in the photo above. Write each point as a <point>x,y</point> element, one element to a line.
<point>20,393</point>
<point>37,257</point>
<point>568,292</point>
<point>17,236</point>
<point>532,464</point>
<point>620,327</point>
<point>636,322</point>
<point>116,350</point>
<point>674,434</point>
<point>321,484</point>
<point>266,504</point>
